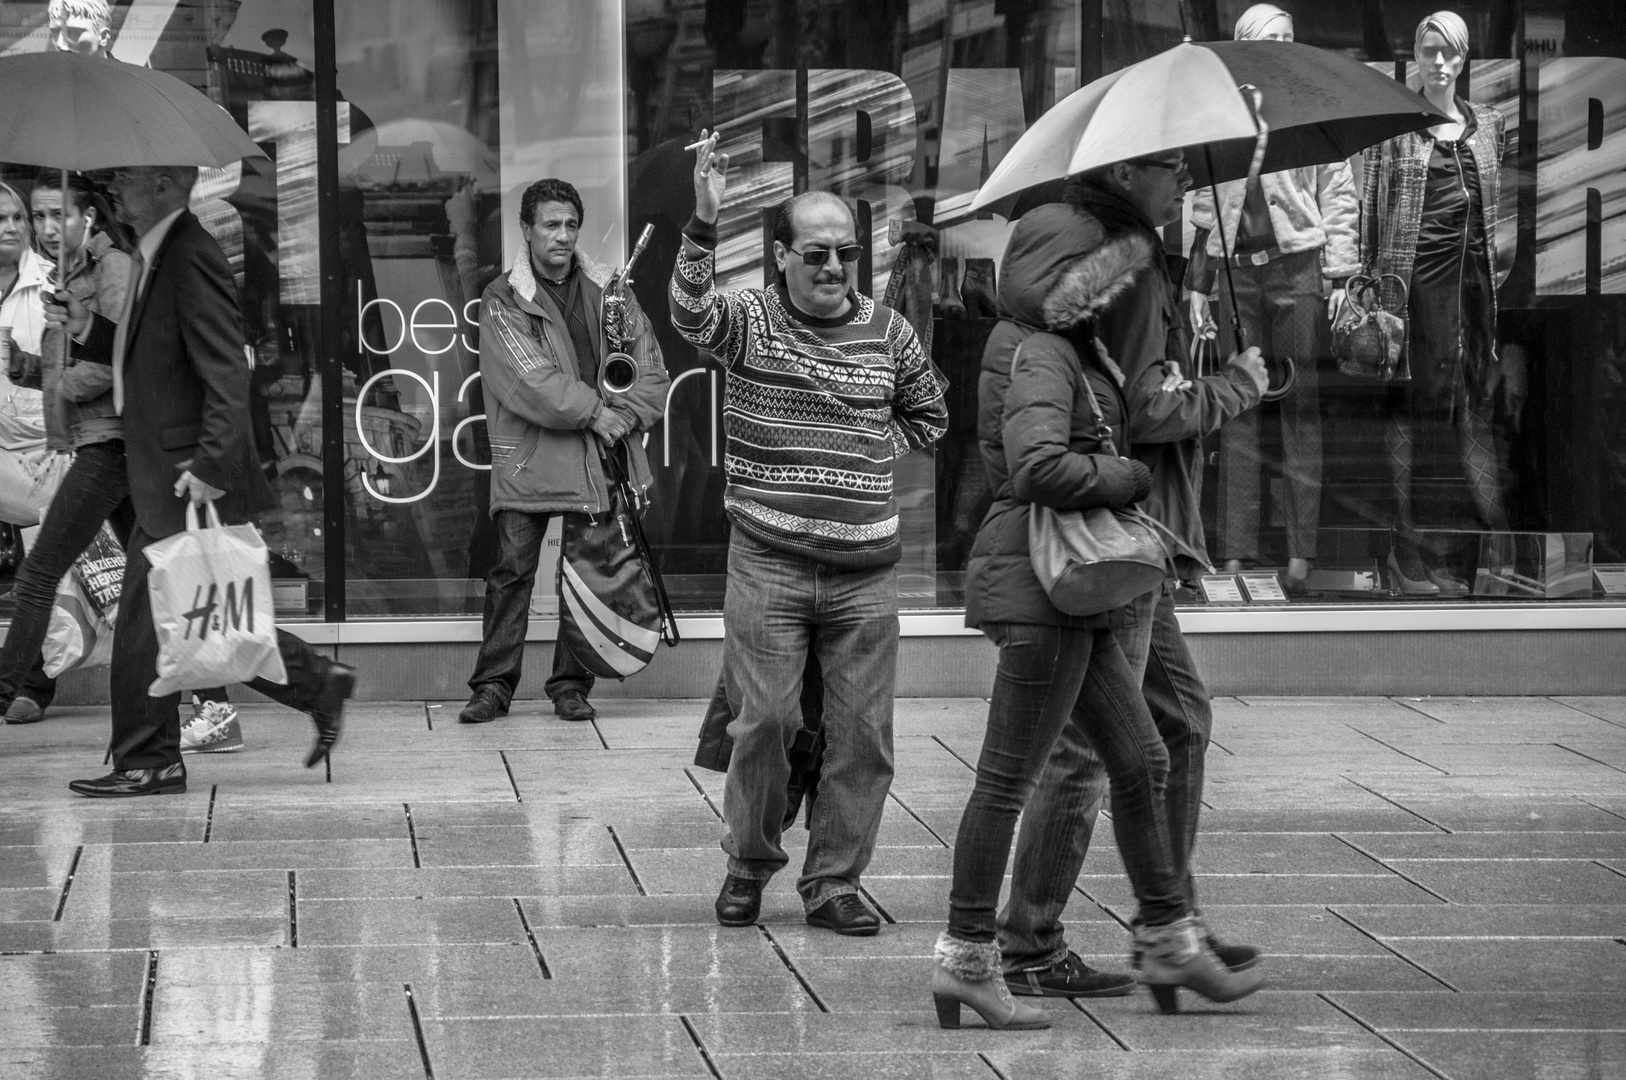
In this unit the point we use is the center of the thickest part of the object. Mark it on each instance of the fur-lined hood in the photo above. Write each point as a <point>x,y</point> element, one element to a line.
<point>1061,269</point>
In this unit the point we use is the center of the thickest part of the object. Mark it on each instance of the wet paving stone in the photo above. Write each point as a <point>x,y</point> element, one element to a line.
<point>1439,888</point>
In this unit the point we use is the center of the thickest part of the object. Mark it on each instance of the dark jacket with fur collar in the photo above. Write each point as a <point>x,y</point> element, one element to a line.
<point>1035,427</point>
<point>1144,333</point>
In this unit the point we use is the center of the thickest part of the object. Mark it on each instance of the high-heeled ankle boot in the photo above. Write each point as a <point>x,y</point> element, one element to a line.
<point>978,290</point>
<point>969,973</point>
<point>1178,955</point>
<point>950,303</point>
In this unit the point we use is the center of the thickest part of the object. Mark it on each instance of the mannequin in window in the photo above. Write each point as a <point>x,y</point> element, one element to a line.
<point>1291,240</point>
<point>1429,218</point>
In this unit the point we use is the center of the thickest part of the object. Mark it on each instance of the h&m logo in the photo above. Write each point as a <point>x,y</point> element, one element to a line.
<point>209,615</point>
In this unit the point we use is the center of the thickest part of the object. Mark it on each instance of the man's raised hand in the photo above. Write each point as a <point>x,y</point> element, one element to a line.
<point>710,177</point>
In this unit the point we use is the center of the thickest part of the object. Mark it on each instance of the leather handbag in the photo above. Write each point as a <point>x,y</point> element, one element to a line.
<point>1368,340</point>
<point>613,608</point>
<point>1092,561</point>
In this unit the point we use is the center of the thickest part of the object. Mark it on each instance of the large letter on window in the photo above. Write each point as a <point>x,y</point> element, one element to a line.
<point>755,111</point>
<point>1581,176</point>
<point>861,146</point>
<point>982,119</point>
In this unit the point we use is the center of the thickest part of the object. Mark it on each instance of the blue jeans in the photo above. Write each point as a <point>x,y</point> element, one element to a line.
<point>1056,832</point>
<point>508,613</point>
<point>777,607</point>
<point>1049,679</point>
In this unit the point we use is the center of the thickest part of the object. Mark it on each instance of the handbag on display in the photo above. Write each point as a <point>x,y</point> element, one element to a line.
<point>1368,340</point>
<point>1091,561</point>
<point>613,609</point>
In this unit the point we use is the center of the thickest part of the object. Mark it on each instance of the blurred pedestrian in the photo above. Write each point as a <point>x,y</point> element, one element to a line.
<point>826,388</point>
<point>28,471</point>
<point>541,347</point>
<point>181,390</point>
<point>87,242</point>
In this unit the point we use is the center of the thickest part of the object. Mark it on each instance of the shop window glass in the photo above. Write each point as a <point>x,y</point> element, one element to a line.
<point>1514,489</point>
<point>253,58</point>
<point>456,108</point>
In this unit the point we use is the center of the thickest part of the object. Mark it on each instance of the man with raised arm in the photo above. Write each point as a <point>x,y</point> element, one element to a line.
<point>826,388</point>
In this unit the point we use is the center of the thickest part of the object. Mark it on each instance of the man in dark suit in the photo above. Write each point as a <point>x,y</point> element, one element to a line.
<point>181,386</point>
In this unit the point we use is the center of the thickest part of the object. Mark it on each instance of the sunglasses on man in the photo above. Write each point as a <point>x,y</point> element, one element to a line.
<point>819,256</point>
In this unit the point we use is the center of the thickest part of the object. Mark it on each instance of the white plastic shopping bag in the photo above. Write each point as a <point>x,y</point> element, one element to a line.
<point>78,635</point>
<point>211,606</point>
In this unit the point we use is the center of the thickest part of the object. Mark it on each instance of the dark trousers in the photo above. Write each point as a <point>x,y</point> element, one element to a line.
<point>92,491</point>
<point>1052,678</point>
<point>508,613</point>
<point>1060,817</point>
<point>147,730</point>
<point>1282,309</point>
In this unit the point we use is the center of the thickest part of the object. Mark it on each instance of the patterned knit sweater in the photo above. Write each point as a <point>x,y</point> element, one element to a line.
<point>815,412</point>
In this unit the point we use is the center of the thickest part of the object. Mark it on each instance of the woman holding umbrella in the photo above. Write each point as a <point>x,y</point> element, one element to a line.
<point>1430,221</point>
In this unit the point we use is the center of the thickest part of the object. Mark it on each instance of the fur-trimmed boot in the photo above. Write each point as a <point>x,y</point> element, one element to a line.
<point>1178,954</point>
<point>969,973</point>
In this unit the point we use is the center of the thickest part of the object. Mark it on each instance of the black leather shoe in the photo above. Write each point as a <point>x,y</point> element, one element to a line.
<point>127,783</point>
<point>1069,977</point>
<point>337,686</point>
<point>740,901</point>
<point>846,914</point>
<point>482,708</point>
<point>572,705</point>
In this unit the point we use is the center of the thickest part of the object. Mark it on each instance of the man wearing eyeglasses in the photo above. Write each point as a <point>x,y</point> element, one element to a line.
<point>825,389</point>
<point>1169,414</point>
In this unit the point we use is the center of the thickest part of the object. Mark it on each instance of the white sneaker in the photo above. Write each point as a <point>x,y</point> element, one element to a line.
<point>213,729</point>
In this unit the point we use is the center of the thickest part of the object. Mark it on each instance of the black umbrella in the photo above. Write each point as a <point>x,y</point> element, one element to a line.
<point>1309,107</point>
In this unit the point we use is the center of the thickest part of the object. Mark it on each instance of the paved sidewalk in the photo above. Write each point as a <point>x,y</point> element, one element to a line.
<point>1440,883</point>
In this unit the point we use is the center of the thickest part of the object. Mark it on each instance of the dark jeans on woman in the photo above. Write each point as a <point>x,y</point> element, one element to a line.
<point>1055,834</point>
<point>508,614</point>
<point>1052,679</point>
<point>92,492</point>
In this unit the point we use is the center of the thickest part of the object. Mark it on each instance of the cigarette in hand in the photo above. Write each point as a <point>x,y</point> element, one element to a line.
<point>698,145</point>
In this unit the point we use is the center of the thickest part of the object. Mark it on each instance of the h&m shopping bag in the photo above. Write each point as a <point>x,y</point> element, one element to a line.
<point>211,606</point>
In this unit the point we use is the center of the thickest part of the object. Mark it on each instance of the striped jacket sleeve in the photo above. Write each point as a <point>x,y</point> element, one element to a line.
<point>525,377</point>
<point>919,413</point>
<point>715,322</point>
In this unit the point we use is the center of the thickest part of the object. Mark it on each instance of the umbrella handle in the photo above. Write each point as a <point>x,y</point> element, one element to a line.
<point>1255,99</point>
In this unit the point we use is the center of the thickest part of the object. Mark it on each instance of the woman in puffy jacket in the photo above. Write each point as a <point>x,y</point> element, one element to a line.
<point>1044,444</point>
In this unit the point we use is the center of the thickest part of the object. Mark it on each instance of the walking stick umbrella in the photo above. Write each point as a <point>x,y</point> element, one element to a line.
<point>85,112</point>
<point>1236,108</point>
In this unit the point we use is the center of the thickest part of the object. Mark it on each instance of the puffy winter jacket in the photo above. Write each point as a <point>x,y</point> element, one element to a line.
<point>1035,426</point>
<point>539,410</point>
<point>1145,334</point>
